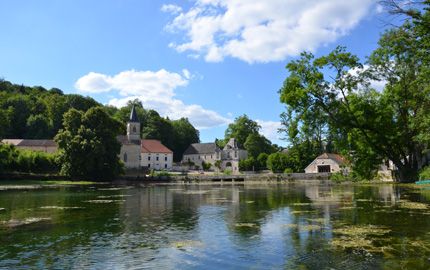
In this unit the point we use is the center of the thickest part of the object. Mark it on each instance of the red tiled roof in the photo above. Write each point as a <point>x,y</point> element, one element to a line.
<point>336,157</point>
<point>154,146</point>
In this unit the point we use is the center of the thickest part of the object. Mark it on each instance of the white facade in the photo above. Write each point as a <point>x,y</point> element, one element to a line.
<point>130,155</point>
<point>326,163</point>
<point>157,161</point>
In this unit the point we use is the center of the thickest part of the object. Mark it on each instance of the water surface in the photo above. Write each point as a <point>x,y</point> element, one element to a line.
<point>304,225</point>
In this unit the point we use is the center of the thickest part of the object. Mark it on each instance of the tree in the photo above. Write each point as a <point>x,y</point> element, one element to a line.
<point>38,127</point>
<point>390,124</point>
<point>88,146</point>
<point>277,162</point>
<point>240,129</point>
<point>184,134</point>
<point>256,144</point>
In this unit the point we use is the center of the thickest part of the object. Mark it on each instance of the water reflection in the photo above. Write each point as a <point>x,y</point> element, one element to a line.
<point>304,225</point>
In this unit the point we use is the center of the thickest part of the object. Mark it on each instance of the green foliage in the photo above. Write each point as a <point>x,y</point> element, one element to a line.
<point>256,144</point>
<point>278,162</point>
<point>206,166</point>
<point>91,135</point>
<point>329,105</point>
<point>15,160</point>
<point>339,177</point>
<point>425,173</point>
<point>240,129</point>
<point>249,164</point>
<point>228,172</point>
<point>262,161</point>
<point>218,164</point>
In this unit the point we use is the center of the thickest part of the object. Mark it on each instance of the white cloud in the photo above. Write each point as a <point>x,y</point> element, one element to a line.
<point>174,9</point>
<point>270,130</point>
<point>263,31</point>
<point>156,90</point>
<point>378,85</point>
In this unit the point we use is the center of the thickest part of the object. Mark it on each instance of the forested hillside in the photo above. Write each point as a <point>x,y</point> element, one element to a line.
<point>37,113</point>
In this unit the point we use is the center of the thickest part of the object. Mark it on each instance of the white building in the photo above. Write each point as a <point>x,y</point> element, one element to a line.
<point>156,156</point>
<point>326,163</point>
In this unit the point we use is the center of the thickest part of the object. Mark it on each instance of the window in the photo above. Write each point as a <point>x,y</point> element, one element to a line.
<point>165,158</point>
<point>125,157</point>
<point>165,166</point>
<point>149,158</point>
<point>156,158</point>
<point>149,165</point>
<point>134,129</point>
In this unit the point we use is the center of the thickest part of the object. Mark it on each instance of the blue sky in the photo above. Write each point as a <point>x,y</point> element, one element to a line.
<point>208,60</point>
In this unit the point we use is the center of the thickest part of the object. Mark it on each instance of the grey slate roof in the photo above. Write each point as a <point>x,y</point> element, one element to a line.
<point>31,143</point>
<point>201,148</point>
<point>133,115</point>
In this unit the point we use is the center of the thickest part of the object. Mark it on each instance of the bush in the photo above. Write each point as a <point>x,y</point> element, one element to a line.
<point>277,162</point>
<point>16,160</point>
<point>248,164</point>
<point>206,165</point>
<point>227,172</point>
<point>288,170</point>
<point>338,177</point>
<point>425,173</point>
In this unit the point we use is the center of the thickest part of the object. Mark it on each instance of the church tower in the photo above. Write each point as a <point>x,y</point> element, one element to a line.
<point>133,126</point>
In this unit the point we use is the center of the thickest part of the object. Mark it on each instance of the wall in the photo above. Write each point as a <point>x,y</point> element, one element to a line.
<point>46,149</point>
<point>133,155</point>
<point>150,161</point>
<point>313,167</point>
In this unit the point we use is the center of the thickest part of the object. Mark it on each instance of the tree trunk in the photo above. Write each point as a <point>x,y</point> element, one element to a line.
<point>406,174</point>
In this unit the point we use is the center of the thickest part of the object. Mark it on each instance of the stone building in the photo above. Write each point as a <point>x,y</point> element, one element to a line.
<point>130,152</point>
<point>137,153</point>
<point>47,146</point>
<point>156,156</point>
<point>229,156</point>
<point>325,163</point>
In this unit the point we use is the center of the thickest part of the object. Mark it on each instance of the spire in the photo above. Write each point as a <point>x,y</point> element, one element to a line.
<point>133,115</point>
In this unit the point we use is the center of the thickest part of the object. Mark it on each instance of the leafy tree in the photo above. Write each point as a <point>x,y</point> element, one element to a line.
<point>249,164</point>
<point>241,128</point>
<point>277,162</point>
<point>262,161</point>
<point>256,144</point>
<point>37,127</point>
<point>184,134</point>
<point>206,166</point>
<point>88,145</point>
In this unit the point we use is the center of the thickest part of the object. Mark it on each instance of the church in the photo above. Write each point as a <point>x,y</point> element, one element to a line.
<point>136,153</point>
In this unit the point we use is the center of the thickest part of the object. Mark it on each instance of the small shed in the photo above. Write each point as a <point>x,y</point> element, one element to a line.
<point>326,163</point>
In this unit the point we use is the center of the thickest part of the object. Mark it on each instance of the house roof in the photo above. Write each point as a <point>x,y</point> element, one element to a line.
<point>201,148</point>
<point>154,146</point>
<point>336,157</point>
<point>30,143</point>
<point>133,115</point>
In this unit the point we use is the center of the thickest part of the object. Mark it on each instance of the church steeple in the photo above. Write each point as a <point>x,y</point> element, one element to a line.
<point>133,126</point>
<point>133,115</point>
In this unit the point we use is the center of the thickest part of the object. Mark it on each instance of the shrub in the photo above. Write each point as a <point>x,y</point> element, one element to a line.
<point>425,173</point>
<point>277,162</point>
<point>227,172</point>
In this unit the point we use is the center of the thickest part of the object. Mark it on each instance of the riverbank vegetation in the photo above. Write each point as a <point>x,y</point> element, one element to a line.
<point>333,102</point>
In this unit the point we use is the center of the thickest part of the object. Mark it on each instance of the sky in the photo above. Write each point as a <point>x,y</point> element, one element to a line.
<point>208,60</point>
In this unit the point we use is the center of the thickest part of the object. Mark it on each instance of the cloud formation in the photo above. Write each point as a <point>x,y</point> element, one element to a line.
<point>270,130</point>
<point>156,90</point>
<point>262,31</point>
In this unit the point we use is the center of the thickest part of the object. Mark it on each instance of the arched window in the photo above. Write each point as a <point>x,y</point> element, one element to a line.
<point>134,129</point>
<point>125,157</point>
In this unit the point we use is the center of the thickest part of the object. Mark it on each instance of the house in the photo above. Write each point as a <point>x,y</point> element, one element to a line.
<point>47,146</point>
<point>228,157</point>
<point>155,155</point>
<point>325,163</point>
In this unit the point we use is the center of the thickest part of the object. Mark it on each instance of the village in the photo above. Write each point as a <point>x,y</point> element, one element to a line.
<point>141,156</point>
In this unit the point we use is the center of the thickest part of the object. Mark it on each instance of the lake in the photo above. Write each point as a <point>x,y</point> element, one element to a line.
<point>301,225</point>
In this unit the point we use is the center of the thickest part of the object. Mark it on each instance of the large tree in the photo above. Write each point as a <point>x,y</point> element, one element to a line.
<point>88,145</point>
<point>374,124</point>
<point>241,128</point>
